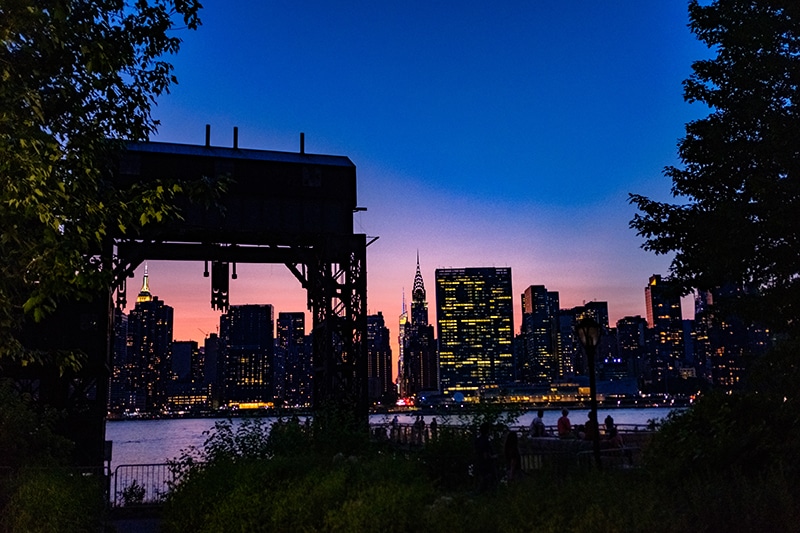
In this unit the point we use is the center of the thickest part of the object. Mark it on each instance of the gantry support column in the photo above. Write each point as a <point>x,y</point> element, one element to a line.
<point>337,293</point>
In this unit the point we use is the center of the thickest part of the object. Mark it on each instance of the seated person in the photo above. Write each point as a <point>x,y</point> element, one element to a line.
<point>590,429</point>
<point>564,425</point>
<point>614,439</point>
<point>537,426</point>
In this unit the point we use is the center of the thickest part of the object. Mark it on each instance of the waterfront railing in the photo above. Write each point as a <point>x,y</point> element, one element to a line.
<point>418,435</point>
<point>149,484</point>
<point>142,484</point>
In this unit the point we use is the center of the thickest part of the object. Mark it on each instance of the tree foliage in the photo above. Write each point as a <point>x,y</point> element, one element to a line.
<point>740,173</point>
<point>28,435</point>
<point>77,77</point>
<point>754,431</point>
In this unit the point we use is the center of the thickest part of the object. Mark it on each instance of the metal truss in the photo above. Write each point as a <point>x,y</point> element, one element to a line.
<point>332,270</point>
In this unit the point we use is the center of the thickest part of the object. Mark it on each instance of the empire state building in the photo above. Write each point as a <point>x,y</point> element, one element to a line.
<point>149,344</point>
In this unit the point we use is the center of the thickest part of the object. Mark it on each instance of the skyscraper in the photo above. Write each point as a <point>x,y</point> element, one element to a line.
<point>402,328</point>
<point>246,349</point>
<point>664,316</point>
<point>474,316</point>
<point>149,345</point>
<point>187,389</point>
<point>212,369</point>
<point>379,359</point>
<point>122,387</point>
<point>538,361</point>
<point>420,362</point>
<point>573,360</point>
<point>725,342</point>
<point>632,344</point>
<point>296,357</point>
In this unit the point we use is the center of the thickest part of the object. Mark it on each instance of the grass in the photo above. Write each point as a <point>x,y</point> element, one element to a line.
<point>396,493</point>
<point>52,500</point>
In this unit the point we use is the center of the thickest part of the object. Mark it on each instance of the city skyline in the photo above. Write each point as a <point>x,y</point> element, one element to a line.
<point>201,320</point>
<point>500,136</point>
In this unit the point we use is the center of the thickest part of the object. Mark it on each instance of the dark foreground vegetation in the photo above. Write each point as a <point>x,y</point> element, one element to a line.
<point>728,463</point>
<point>395,492</point>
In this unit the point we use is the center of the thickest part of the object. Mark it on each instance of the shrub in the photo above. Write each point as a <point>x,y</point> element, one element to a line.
<point>751,431</point>
<point>27,434</point>
<point>52,501</point>
<point>133,494</point>
<point>448,457</point>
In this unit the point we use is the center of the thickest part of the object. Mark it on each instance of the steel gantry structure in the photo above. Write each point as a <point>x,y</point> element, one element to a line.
<point>278,207</point>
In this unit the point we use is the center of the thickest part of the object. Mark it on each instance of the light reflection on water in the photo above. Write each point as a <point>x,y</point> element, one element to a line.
<point>156,441</point>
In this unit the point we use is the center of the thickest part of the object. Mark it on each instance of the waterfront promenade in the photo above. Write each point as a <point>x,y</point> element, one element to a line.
<point>161,440</point>
<point>538,453</point>
<point>548,452</point>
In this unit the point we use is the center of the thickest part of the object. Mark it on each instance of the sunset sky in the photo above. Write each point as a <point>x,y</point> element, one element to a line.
<point>484,134</point>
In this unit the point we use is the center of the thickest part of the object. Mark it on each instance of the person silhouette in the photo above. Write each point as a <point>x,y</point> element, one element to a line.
<point>564,425</point>
<point>537,425</point>
<point>513,459</point>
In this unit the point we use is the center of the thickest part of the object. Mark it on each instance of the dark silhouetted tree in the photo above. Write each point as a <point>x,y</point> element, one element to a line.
<point>740,178</point>
<point>76,78</point>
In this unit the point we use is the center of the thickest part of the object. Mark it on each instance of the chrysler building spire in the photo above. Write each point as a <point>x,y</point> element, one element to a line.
<point>419,307</point>
<point>418,294</point>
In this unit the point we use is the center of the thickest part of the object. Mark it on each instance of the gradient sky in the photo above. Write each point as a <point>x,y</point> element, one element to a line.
<point>484,134</point>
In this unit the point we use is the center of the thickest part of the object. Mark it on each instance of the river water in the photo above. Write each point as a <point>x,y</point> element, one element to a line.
<point>156,441</point>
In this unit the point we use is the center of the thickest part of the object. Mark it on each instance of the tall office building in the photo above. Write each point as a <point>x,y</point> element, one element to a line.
<point>122,394</point>
<point>246,349</point>
<point>420,361</point>
<point>573,359</point>
<point>296,359</point>
<point>568,349</point>
<point>402,328</point>
<point>186,362</point>
<point>187,389</point>
<point>724,343</point>
<point>149,345</point>
<point>538,359</point>
<point>664,317</point>
<point>212,369</point>
<point>474,316</point>
<point>379,359</point>
<point>632,344</point>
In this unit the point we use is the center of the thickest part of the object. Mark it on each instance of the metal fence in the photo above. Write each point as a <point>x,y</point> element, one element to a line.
<point>145,484</point>
<point>149,484</point>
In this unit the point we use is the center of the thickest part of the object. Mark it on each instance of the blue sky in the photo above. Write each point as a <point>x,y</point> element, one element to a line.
<point>485,134</point>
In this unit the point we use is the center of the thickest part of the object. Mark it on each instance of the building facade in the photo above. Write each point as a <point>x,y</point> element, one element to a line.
<point>379,360</point>
<point>187,389</point>
<point>247,349</point>
<point>665,318</point>
<point>632,345</point>
<point>402,331</point>
<point>122,392</point>
<point>420,358</point>
<point>538,356</point>
<point>150,325</point>
<point>293,356</point>
<point>725,342</point>
<point>475,323</point>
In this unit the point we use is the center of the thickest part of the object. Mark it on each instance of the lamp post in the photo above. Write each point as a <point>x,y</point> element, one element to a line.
<point>589,332</point>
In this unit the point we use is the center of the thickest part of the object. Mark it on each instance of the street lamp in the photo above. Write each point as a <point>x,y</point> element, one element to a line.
<point>589,332</point>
